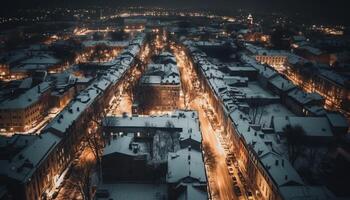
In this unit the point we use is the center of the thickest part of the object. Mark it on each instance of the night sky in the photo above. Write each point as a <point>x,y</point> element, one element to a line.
<point>336,10</point>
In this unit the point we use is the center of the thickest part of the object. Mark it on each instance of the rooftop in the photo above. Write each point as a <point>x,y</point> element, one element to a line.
<point>185,163</point>
<point>26,99</point>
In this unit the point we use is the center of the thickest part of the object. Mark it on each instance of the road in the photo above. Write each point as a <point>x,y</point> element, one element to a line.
<point>214,145</point>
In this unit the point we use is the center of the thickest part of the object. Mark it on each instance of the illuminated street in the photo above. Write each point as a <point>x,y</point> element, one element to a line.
<point>220,181</point>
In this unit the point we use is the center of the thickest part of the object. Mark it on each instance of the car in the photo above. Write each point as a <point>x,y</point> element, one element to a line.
<point>230,170</point>
<point>54,195</point>
<point>237,190</point>
<point>240,175</point>
<point>228,162</point>
<point>235,164</point>
<point>249,195</point>
<point>234,180</point>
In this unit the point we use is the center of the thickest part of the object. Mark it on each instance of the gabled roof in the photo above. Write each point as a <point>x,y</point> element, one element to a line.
<point>185,164</point>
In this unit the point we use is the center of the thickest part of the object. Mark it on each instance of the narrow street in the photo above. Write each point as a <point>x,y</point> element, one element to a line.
<point>220,180</point>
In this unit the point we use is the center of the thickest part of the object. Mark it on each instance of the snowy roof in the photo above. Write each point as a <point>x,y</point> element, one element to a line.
<point>185,163</point>
<point>241,68</point>
<point>192,192</point>
<point>149,79</point>
<point>313,126</point>
<point>306,193</point>
<point>316,110</point>
<point>281,83</point>
<point>337,120</point>
<point>83,79</point>
<point>26,162</point>
<point>26,99</point>
<point>41,59</point>
<point>254,90</point>
<point>265,71</point>
<point>74,109</point>
<point>280,169</point>
<point>250,136</point>
<point>303,97</point>
<point>161,74</point>
<point>102,84</point>
<point>187,121</point>
<point>125,145</point>
<point>17,140</point>
<point>335,77</point>
<point>291,57</point>
<point>26,83</point>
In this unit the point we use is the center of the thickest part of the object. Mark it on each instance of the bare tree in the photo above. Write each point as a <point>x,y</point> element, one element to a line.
<point>95,143</point>
<point>256,111</point>
<point>294,136</point>
<point>82,179</point>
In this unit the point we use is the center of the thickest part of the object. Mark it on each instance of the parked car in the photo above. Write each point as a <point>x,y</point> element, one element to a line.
<point>235,164</point>
<point>240,175</point>
<point>249,195</point>
<point>234,180</point>
<point>228,161</point>
<point>230,170</point>
<point>237,190</point>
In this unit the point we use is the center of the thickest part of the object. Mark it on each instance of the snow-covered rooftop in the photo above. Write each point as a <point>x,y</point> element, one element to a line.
<point>304,97</point>
<point>185,163</point>
<point>126,145</point>
<point>186,121</point>
<point>26,99</point>
<point>313,126</point>
<point>282,83</point>
<point>306,193</point>
<point>25,163</point>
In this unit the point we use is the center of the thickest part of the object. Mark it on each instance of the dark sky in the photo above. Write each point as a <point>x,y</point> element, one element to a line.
<point>326,9</point>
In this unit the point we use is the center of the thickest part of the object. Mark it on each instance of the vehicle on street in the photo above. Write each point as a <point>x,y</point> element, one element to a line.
<point>230,170</point>
<point>234,180</point>
<point>249,195</point>
<point>237,191</point>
